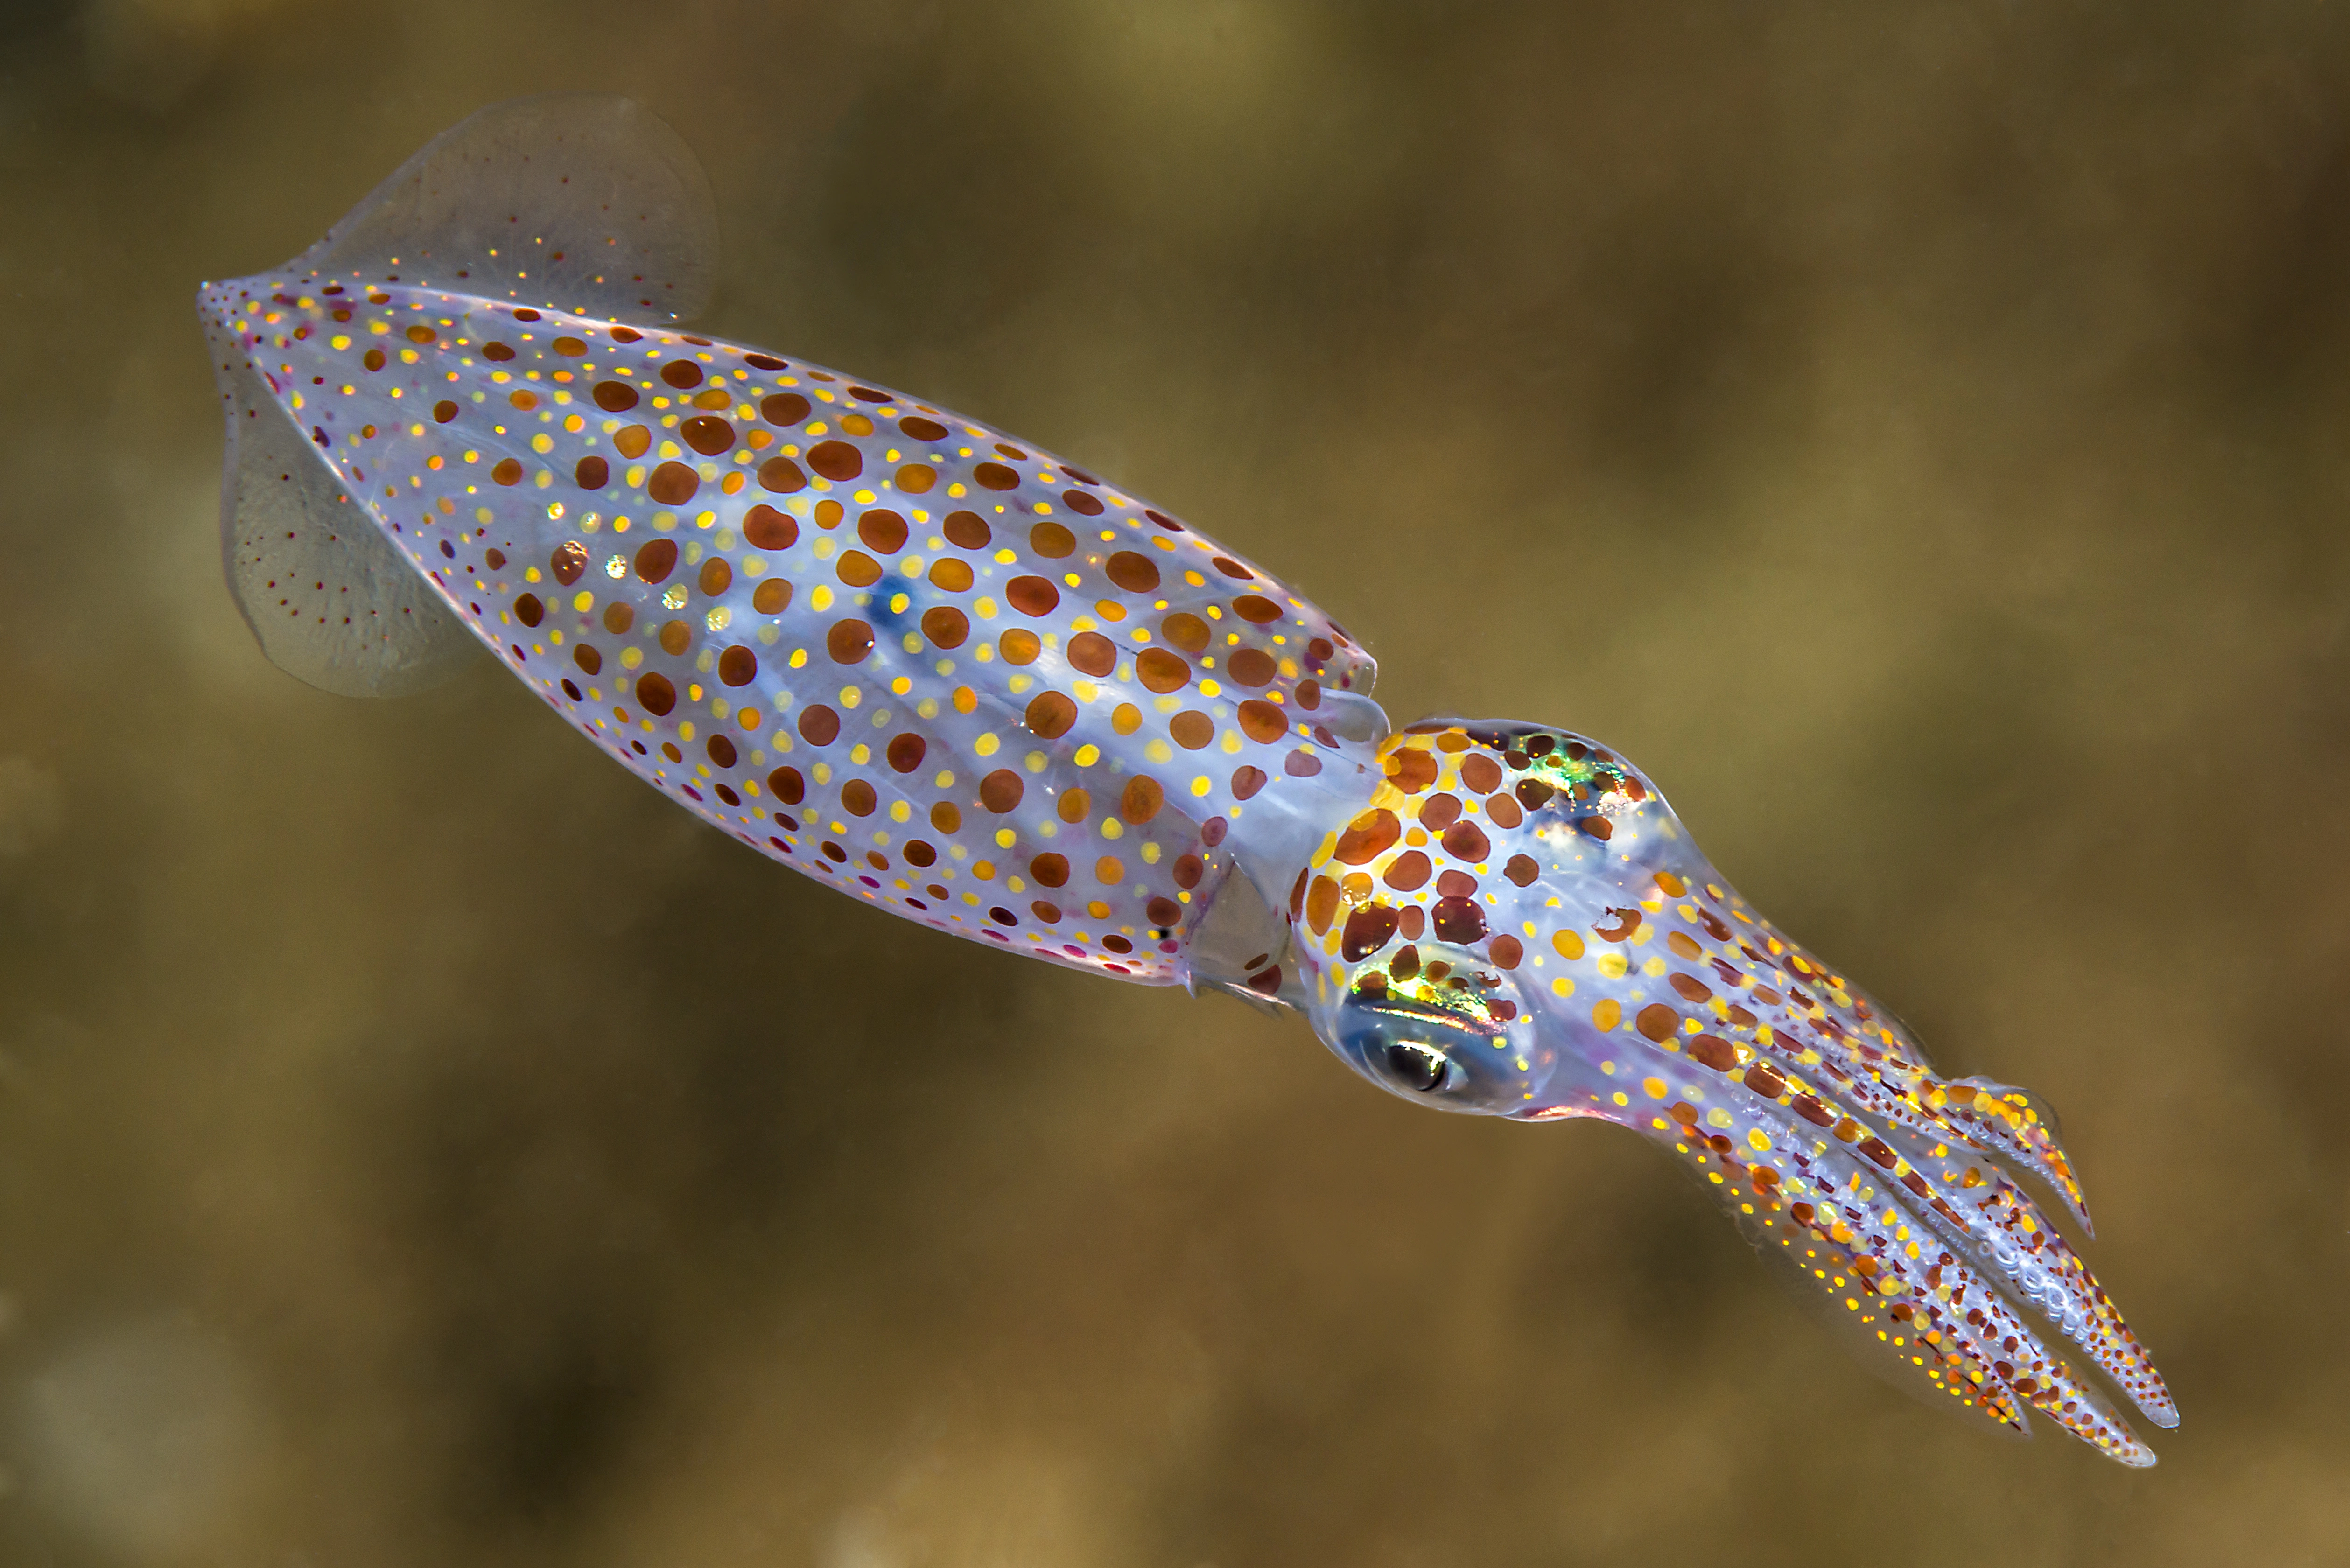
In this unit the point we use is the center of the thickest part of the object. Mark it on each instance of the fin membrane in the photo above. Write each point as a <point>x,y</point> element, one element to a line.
<point>578,201</point>
<point>329,600</point>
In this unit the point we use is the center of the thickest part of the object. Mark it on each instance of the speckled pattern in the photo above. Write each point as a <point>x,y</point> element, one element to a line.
<point>918,659</point>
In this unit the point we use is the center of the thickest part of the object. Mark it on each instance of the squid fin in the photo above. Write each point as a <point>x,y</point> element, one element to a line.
<point>578,201</point>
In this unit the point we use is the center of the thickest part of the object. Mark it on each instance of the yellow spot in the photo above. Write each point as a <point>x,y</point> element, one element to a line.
<point>1608,1014</point>
<point>1654,1087</point>
<point>583,601</point>
<point>1203,784</point>
<point>986,746</point>
<point>1562,986</point>
<point>1569,943</point>
<point>1613,965</point>
<point>1757,1141</point>
<point>1086,756</point>
<point>1620,1099</point>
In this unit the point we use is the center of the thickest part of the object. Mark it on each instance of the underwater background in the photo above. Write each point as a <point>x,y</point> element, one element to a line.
<point>1919,438</point>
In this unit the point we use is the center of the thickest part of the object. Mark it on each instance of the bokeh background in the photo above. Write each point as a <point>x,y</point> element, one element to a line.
<point>1918,435</point>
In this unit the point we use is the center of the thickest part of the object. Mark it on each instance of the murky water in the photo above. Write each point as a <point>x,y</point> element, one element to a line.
<point>1918,440</point>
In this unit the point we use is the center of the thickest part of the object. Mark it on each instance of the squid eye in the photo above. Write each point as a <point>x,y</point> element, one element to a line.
<point>1417,1067</point>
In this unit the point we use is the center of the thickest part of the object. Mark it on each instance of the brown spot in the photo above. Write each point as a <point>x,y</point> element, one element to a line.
<point>1080,502</point>
<point>568,562</point>
<point>1458,920</point>
<point>857,799</point>
<point>672,485</point>
<point>1415,921</point>
<point>420,332</point>
<point>857,570</point>
<point>1256,609</point>
<point>500,352</point>
<point>1522,870</point>
<point>1626,923</point>
<point>921,852</point>
<point>1051,540</point>
<point>614,397</point>
<point>1141,799</point>
<point>906,752</point>
<point>968,531</point>
<point>1873,1147</point>
<point>769,529</point>
<point>1504,810</point>
<point>1657,1022</point>
<point>994,476</point>
<point>1599,827</point>
<point>1369,836</point>
<point>592,473</point>
<point>1765,1081</point>
<point>674,636</point>
<point>1000,791</point>
<point>1408,873</point>
<point>1507,951</point>
<point>1191,729</point>
<point>1161,672</point>
<point>848,642</point>
<point>1073,805</point>
<point>1480,772</point>
<point>1812,1110</point>
<point>1135,573</point>
<point>570,347</point>
<point>1050,870</point>
<point>1321,904</point>
<point>682,373</point>
<point>946,818</point>
<point>444,410</point>
<point>883,531</point>
<point>507,471</point>
<point>783,408</point>
<point>619,618</point>
<point>655,695</point>
<point>1019,646</point>
<point>950,573</point>
<point>584,656</point>
<point>945,626</point>
<point>1250,666</point>
<point>1189,869</point>
<point>1682,945</point>
<point>820,725</point>
<point>1090,653</point>
<point>372,358</point>
<point>738,666</point>
<point>1185,631</point>
<point>1455,885</point>
<point>1231,568</point>
<point>633,441</point>
<point>920,429</point>
<point>1440,812</point>
<point>1246,781</point>
<point>1464,840</point>
<point>1714,1052</point>
<point>781,476</point>
<point>657,560</point>
<point>1366,930</point>
<point>916,478</point>
<point>836,460</point>
<point>1262,722</point>
<point>1031,596</point>
<point>1164,913</point>
<point>771,597</point>
<point>1690,988</point>
<point>707,434</point>
<point>722,751</point>
<point>1411,769</point>
<point>1533,793</point>
<point>717,576</point>
<point>1050,714</point>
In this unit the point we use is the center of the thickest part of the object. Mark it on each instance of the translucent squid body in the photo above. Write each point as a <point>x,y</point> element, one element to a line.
<point>985,689</point>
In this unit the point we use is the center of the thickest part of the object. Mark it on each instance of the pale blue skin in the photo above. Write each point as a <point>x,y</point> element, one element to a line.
<point>430,451</point>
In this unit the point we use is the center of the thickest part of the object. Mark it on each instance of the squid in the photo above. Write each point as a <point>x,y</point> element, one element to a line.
<point>974,684</point>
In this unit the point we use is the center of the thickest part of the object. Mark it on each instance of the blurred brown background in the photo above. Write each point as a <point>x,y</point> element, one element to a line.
<point>1918,435</point>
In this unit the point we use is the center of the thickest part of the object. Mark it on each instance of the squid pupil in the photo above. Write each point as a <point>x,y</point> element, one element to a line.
<point>1416,1067</point>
